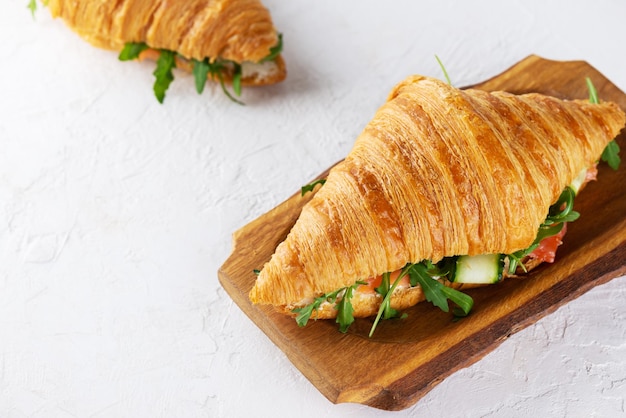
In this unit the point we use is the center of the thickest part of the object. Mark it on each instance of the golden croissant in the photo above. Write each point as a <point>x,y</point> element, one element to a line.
<point>236,34</point>
<point>439,180</point>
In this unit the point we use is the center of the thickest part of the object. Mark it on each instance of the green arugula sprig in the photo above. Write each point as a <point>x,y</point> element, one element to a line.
<point>610,155</point>
<point>201,70</point>
<point>593,93</point>
<point>309,187</point>
<point>386,289</point>
<point>32,6</point>
<point>424,274</point>
<point>343,300</point>
<point>132,50</point>
<point>443,69</point>
<point>163,73</point>
<point>275,50</point>
<point>559,213</point>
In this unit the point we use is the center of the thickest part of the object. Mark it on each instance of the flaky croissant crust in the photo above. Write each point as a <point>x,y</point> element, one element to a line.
<point>236,30</point>
<point>438,172</point>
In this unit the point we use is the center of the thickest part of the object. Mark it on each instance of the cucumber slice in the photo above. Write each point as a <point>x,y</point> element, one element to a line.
<point>479,269</point>
<point>579,180</point>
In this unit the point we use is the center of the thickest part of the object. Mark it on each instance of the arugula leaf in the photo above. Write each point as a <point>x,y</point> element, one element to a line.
<point>445,73</point>
<point>422,274</point>
<point>515,259</point>
<point>132,50</point>
<point>546,231</point>
<point>593,93</point>
<point>275,50</point>
<point>464,302</point>
<point>304,313</point>
<point>385,306</point>
<point>200,72</point>
<point>226,92</point>
<point>309,187</point>
<point>237,80</point>
<point>434,291</point>
<point>344,307</point>
<point>437,293</point>
<point>163,73</point>
<point>444,268</point>
<point>32,6</point>
<point>345,311</point>
<point>431,287</point>
<point>610,155</point>
<point>563,209</point>
<point>384,289</point>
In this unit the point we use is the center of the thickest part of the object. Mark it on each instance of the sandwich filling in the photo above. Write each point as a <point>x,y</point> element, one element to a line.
<point>266,71</point>
<point>442,281</point>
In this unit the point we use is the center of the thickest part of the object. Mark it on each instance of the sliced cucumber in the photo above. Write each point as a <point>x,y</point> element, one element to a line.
<point>479,269</point>
<point>579,180</point>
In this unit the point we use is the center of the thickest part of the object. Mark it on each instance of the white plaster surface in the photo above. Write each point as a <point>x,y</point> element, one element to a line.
<point>116,212</point>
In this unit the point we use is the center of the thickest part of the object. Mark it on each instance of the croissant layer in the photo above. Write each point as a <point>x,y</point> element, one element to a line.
<point>438,172</point>
<point>236,30</point>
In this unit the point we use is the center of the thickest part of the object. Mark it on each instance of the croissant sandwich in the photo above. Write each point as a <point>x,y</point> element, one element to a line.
<point>443,189</point>
<point>229,41</point>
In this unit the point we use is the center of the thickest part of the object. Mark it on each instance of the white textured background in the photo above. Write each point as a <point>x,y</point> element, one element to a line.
<point>116,212</point>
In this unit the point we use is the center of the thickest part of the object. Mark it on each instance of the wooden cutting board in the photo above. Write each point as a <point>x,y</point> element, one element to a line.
<point>407,357</point>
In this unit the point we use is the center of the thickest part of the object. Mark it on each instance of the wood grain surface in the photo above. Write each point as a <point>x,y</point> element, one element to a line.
<point>407,357</point>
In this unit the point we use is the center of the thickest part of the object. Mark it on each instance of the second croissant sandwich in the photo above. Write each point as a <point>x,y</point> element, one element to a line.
<point>443,189</point>
<point>230,41</point>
